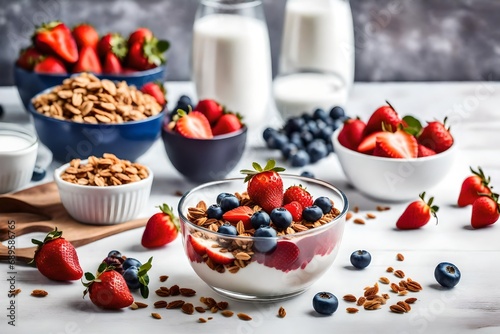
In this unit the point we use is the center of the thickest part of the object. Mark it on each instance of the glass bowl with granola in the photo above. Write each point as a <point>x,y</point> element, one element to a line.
<point>103,190</point>
<point>250,254</point>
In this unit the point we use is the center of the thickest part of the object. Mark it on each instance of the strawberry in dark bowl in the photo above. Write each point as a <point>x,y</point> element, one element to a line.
<point>206,143</point>
<point>391,158</point>
<point>271,253</point>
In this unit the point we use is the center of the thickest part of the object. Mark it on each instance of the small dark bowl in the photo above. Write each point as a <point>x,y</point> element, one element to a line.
<point>203,160</point>
<point>69,140</point>
<point>29,83</point>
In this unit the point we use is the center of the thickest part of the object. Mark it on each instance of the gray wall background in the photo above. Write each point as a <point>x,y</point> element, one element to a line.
<point>396,40</point>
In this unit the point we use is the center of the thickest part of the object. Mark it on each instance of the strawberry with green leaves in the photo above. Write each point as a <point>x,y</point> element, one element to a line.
<point>56,258</point>
<point>147,54</point>
<point>56,38</point>
<point>265,186</point>
<point>384,117</point>
<point>473,187</point>
<point>107,289</point>
<point>161,229</point>
<point>485,211</point>
<point>139,35</point>
<point>112,43</point>
<point>436,136</point>
<point>417,214</point>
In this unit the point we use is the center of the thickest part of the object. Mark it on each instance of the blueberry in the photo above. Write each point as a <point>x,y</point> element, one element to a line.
<point>337,113</point>
<point>132,278</point>
<point>294,124</point>
<point>38,174</point>
<point>306,137</point>
<point>229,202</point>
<point>361,259</point>
<point>296,139</point>
<point>312,213</point>
<point>447,274</point>
<point>288,150</point>
<point>265,245</point>
<point>215,211</point>
<point>324,203</point>
<point>116,262</point>
<point>307,173</point>
<point>329,147</point>
<point>221,196</point>
<point>114,253</point>
<point>325,303</point>
<point>268,132</point>
<point>281,217</point>
<point>300,159</point>
<point>277,141</point>
<point>185,99</point>
<point>306,117</point>
<point>320,114</point>
<point>260,218</point>
<point>321,124</point>
<point>325,133</point>
<point>313,128</point>
<point>131,262</point>
<point>227,229</point>
<point>317,150</point>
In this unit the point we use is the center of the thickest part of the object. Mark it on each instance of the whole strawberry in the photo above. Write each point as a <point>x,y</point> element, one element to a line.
<point>156,90</point>
<point>485,211</point>
<point>384,117</point>
<point>85,35</point>
<point>148,54</point>
<point>417,214</point>
<point>107,289</point>
<point>351,134</point>
<point>298,194</point>
<point>161,229</point>
<point>436,136</point>
<point>227,123</point>
<point>56,258</point>
<point>211,109</point>
<point>265,186</point>
<point>473,186</point>
<point>56,38</point>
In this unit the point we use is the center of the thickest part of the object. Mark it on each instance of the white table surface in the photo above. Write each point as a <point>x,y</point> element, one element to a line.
<point>471,307</point>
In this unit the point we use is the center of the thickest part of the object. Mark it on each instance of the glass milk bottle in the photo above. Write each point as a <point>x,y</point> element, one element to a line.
<point>231,56</point>
<point>316,65</point>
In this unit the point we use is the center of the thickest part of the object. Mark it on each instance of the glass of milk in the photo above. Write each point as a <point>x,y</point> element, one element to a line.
<point>231,56</point>
<point>18,151</point>
<point>316,64</point>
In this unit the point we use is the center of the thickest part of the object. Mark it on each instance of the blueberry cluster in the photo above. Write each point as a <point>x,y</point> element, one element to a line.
<point>306,139</point>
<point>132,270</point>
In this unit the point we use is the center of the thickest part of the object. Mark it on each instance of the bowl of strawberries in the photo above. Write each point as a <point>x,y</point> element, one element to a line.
<point>394,158</point>
<point>204,143</point>
<point>57,52</point>
<point>266,236</point>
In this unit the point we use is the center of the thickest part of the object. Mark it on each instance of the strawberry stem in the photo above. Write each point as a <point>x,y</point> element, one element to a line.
<point>433,208</point>
<point>270,166</point>
<point>485,180</point>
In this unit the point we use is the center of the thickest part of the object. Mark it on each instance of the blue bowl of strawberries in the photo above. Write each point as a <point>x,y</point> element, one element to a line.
<point>57,52</point>
<point>264,237</point>
<point>206,143</point>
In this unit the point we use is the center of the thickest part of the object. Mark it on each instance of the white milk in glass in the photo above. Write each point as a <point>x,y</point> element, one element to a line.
<point>318,35</point>
<point>232,63</point>
<point>13,143</point>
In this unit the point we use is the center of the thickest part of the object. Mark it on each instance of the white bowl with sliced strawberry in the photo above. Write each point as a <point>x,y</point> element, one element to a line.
<point>206,143</point>
<point>268,238</point>
<point>394,158</point>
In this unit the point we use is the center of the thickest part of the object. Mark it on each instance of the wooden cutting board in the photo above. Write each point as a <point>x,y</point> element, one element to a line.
<point>39,209</point>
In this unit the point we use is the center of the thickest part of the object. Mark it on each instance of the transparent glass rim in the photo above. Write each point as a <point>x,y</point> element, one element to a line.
<point>231,4</point>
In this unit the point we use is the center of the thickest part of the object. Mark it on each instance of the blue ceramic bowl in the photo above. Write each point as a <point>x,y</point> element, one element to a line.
<point>203,160</point>
<point>29,83</point>
<point>69,140</point>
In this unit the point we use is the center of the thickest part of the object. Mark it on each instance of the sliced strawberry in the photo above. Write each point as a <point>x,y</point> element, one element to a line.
<point>192,254</point>
<point>193,125</point>
<point>367,145</point>
<point>399,144</point>
<point>424,151</point>
<point>320,244</point>
<point>218,257</point>
<point>284,257</point>
<point>88,61</point>
<point>243,213</point>
<point>295,208</point>
<point>351,134</point>
<point>199,244</point>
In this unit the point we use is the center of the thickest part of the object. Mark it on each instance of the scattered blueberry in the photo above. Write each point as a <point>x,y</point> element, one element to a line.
<point>325,303</point>
<point>337,113</point>
<point>114,253</point>
<point>265,245</point>
<point>312,213</point>
<point>131,262</point>
<point>317,150</point>
<point>131,276</point>
<point>281,218</point>
<point>185,99</point>
<point>324,203</point>
<point>307,173</point>
<point>229,202</point>
<point>277,140</point>
<point>268,132</point>
<point>320,114</point>
<point>300,159</point>
<point>260,218</point>
<point>227,229</point>
<point>38,174</point>
<point>361,259</point>
<point>447,274</point>
<point>215,211</point>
